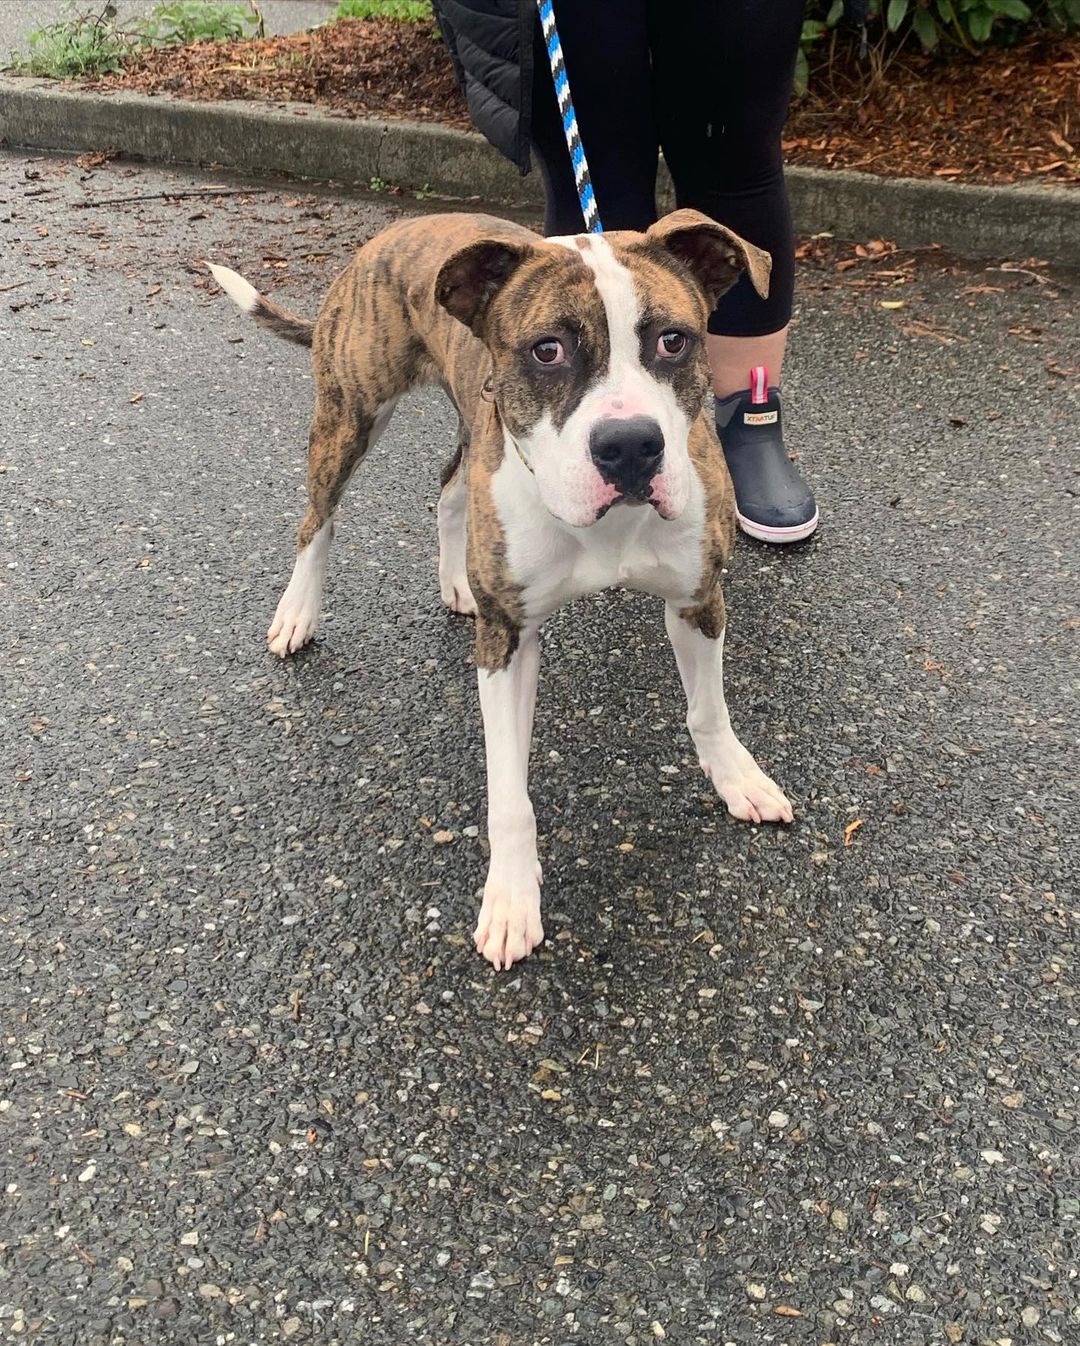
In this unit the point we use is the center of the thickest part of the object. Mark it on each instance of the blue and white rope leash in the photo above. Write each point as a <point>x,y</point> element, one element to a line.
<point>569,118</point>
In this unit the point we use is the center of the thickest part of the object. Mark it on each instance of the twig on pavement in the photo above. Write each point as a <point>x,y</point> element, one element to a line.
<point>173,196</point>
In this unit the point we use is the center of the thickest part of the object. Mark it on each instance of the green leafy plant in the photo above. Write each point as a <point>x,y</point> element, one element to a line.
<point>941,24</point>
<point>184,21</point>
<point>83,43</point>
<point>1064,14</point>
<point>402,11</point>
<point>89,42</point>
<point>969,22</point>
<point>813,30</point>
<point>944,27</point>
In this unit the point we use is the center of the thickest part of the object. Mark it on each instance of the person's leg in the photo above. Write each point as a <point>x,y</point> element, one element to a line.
<point>723,75</point>
<point>606,50</point>
<point>732,357</point>
<point>723,72</point>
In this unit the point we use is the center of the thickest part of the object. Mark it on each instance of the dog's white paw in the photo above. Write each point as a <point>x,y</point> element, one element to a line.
<point>749,794</point>
<point>297,613</point>
<point>457,595</point>
<point>509,928</point>
<point>294,624</point>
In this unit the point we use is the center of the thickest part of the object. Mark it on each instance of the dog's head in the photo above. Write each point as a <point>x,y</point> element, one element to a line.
<point>598,351</point>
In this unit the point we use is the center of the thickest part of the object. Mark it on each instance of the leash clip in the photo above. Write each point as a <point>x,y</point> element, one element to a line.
<point>487,392</point>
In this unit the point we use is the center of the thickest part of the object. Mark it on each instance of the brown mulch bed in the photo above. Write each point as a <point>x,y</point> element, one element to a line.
<point>362,67</point>
<point>1005,116</point>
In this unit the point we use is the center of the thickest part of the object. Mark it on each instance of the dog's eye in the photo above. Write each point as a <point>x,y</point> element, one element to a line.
<point>549,352</point>
<point>671,345</point>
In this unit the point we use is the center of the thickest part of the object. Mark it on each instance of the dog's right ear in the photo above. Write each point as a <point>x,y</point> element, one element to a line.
<point>470,278</point>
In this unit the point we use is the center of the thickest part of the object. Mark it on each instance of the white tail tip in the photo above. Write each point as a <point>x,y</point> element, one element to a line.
<point>240,291</point>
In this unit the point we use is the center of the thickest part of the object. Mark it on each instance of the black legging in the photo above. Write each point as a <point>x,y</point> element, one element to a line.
<point>709,82</point>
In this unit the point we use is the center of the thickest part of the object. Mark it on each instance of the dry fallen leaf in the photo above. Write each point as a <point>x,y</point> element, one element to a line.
<point>851,829</point>
<point>786,1311</point>
<point>892,303</point>
<point>939,334</point>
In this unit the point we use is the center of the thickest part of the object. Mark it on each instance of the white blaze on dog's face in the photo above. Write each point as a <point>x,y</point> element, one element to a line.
<point>598,351</point>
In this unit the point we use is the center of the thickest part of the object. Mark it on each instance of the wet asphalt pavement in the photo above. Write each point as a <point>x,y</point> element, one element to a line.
<point>759,1086</point>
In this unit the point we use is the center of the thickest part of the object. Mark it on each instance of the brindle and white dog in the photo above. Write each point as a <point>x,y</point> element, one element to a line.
<point>585,459</point>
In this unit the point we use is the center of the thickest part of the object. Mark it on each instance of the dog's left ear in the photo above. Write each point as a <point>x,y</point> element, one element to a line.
<point>471,278</point>
<point>714,254</point>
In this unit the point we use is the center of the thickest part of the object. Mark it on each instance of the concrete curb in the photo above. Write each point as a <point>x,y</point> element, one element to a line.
<point>295,140</point>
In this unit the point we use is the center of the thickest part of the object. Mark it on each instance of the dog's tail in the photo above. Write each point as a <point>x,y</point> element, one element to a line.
<point>265,312</point>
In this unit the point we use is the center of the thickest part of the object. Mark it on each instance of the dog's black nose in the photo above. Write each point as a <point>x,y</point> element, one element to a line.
<point>627,452</point>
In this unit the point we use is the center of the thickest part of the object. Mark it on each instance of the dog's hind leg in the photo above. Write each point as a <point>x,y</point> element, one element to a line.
<point>452,514</point>
<point>340,437</point>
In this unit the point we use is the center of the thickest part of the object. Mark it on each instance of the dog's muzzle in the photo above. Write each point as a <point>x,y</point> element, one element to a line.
<point>628,453</point>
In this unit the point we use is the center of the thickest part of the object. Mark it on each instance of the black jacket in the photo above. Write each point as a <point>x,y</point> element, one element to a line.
<point>491,45</point>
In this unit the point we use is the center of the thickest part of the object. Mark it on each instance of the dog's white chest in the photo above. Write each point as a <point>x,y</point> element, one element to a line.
<point>630,547</point>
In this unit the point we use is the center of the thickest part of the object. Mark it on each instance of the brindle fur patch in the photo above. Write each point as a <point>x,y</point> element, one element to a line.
<point>706,613</point>
<point>551,294</point>
<point>456,463</point>
<point>379,333</point>
<point>500,612</point>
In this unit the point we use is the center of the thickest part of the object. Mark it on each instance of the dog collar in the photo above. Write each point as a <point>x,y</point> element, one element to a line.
<point>528,465</point>
<point>487,393</point>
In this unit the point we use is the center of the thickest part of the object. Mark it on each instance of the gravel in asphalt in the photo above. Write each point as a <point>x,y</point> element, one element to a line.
<point>759,1086</point>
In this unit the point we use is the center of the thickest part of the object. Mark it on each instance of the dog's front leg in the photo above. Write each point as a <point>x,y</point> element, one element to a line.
<point>697,637</point>
<point>509,926</point>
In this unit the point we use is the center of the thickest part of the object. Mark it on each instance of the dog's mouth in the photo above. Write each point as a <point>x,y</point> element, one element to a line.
<point>659,490</point>
<point>632,500</point>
